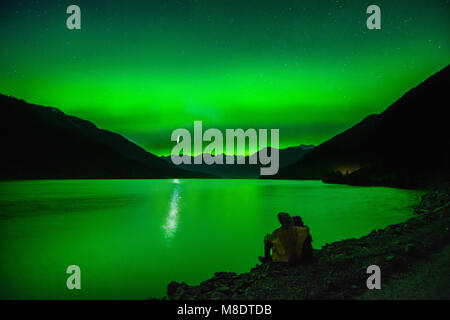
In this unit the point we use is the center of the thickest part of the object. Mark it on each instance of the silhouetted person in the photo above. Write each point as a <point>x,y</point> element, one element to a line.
<point>286,242</point>
<point>307,245</point>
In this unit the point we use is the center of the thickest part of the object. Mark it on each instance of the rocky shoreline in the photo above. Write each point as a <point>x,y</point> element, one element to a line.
<point>338,270</point>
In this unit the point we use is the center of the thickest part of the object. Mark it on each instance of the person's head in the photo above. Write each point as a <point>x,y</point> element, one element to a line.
<point>285,219</point>
<point>298,221</point>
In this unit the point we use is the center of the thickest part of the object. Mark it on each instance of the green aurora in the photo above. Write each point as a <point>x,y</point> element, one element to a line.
<point>145,68</point>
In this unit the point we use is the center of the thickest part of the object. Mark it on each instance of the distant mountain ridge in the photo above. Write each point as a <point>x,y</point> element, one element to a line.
<point>44,143</point>
<point>287,156</point>
<point>388,148</point>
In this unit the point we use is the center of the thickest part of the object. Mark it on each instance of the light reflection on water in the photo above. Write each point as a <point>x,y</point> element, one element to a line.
<point>172,219</point>
<point>132,237</point>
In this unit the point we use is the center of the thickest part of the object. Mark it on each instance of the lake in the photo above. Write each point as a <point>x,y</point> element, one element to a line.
<point>132,237</point>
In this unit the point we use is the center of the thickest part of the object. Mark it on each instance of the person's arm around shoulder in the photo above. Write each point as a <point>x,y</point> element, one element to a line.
<point>307,229</point>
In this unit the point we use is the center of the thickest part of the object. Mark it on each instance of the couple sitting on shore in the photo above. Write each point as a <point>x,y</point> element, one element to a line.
<point>290,243</point>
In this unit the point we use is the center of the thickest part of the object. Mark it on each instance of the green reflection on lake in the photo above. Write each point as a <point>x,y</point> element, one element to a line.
<point>132,237</point>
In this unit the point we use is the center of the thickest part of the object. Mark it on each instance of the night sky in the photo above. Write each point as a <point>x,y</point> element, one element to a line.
<point>144,68</point>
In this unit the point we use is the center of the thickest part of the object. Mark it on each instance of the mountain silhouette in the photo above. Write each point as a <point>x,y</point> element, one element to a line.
<point>404,146</point>
<point>44,143</point>
<point>287,156</point>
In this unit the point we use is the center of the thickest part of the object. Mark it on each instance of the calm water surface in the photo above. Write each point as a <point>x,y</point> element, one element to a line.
<point>132,237</point>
